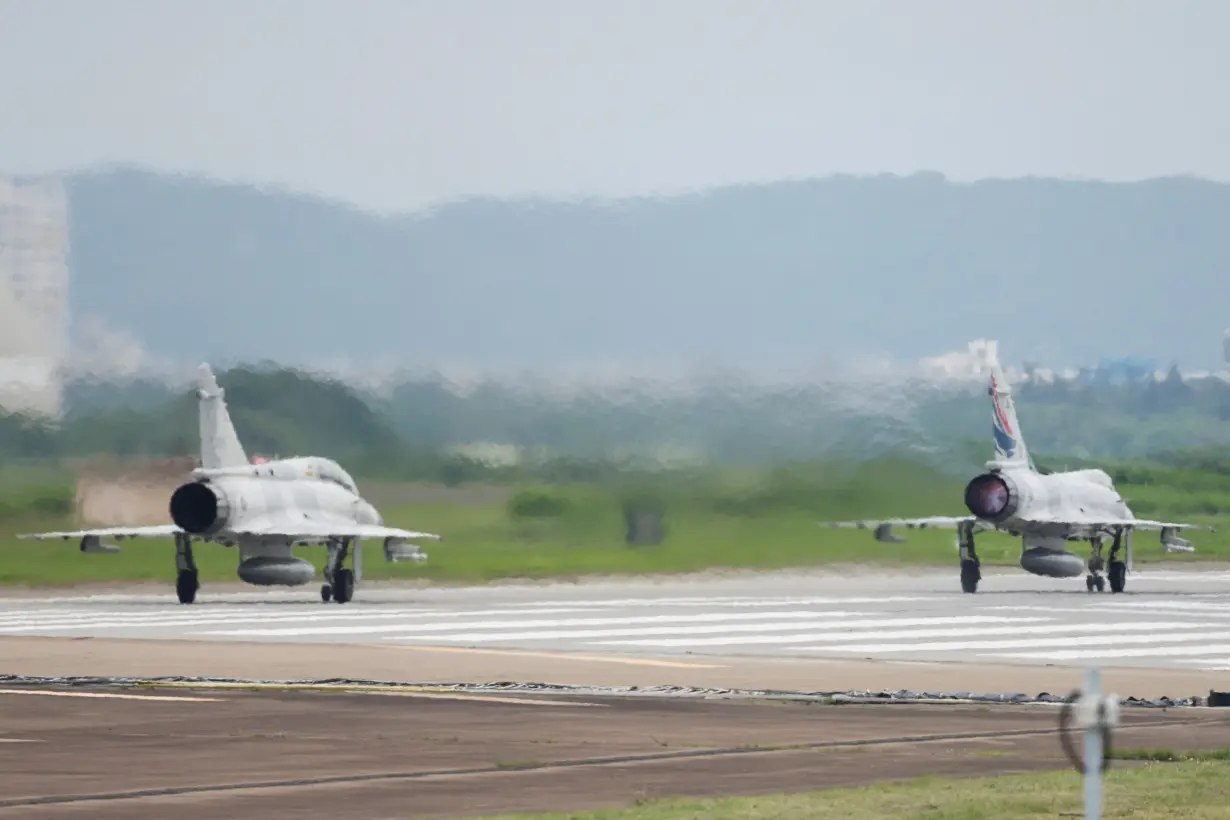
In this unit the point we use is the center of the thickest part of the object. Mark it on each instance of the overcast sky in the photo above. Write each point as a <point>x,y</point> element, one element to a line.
<point>392,104</point>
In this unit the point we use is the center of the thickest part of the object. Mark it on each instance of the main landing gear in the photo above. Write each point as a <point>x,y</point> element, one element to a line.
<point>186,579</point>
<point>1116,567</point>
<point>971,572</point>
<point>339,581</point>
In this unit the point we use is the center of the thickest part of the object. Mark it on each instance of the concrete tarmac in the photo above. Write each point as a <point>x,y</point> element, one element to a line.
<point>216,753</point>
<point>1167,619</point>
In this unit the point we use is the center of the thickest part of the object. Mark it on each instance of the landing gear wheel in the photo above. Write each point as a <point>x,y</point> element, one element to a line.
<point>343,585</point>
<point>1101,583</point>
<point>1089,582</point>
<point>1118,576</point>
<point>186,585</point>
<point>970,576</point>
<point>326,592</point>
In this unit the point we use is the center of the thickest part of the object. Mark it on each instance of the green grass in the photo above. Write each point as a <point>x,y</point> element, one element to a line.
<point>1194,790</point>
<point>484,544</point>
<point>718,519</point>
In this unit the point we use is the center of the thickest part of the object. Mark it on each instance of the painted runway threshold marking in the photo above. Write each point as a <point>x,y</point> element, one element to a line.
<point>912,634</point>
<point>815,622</point>
<point>791,626</point>
<point>750,618</point>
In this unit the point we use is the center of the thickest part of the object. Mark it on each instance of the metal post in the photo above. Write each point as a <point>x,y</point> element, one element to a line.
<point>1093,750</point>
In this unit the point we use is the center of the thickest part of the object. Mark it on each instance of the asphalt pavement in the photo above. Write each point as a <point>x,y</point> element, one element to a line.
<point>1167,619</point>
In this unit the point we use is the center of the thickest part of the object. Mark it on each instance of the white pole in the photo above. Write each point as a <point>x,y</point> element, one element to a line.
<point>1093,749</point>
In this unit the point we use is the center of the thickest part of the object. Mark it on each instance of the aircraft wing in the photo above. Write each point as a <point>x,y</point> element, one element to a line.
<point>940,521</point>
<point>308,530</point>
<point>1146,524</point>
<point>157,531</point>
<point>298,530</point>
<point>883,527</point>
<point>1134,523</point>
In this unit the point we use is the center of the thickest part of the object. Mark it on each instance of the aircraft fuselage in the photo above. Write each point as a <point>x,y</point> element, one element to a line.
<point>225,506</point>
<point>1023,502</point>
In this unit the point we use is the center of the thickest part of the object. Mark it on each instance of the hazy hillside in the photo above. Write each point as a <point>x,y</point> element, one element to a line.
<point>1065,272</point>
<point>947,426</point>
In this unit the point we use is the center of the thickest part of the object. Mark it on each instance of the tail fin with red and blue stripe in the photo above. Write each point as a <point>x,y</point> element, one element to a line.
<point>1010,449</point>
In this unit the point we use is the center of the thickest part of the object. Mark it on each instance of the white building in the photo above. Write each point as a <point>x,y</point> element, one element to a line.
<point>34,278</point>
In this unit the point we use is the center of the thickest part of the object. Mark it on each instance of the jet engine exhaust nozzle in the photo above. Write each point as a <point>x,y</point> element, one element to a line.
<point>198,508</point>
<point>991,497</point>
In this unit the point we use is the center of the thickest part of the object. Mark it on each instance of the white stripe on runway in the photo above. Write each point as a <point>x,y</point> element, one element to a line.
<point>764,629</point>
<point>1073,640</point>
<point>1114,610</point>
<point>221,619</point>
<point>943,632</point>
<point>1200,606</point>
<point>445,626</point>
<point>739,601</point>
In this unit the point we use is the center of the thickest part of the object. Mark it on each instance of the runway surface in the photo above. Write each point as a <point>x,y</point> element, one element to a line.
<point>1168,618</point>
<point>201,752</point>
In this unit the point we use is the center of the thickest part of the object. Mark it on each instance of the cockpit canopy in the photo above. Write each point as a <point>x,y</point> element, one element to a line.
<point>329,470</point>
<point>1095,476</point>
<point>292,469</point>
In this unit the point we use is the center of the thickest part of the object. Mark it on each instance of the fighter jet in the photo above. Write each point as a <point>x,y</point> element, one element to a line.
<point>1045,510</point>
<point>265,509</point>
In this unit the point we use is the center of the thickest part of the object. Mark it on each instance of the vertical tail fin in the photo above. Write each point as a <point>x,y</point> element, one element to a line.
<point>1009,442</point>
<point>220,445</point>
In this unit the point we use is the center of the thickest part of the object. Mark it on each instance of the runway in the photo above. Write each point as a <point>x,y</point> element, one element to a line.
<point>460,743</point>
<point>203,752</point>
<point>1167,619</point>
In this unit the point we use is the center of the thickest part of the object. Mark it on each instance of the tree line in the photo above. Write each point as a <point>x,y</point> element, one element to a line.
<point>421,429</point>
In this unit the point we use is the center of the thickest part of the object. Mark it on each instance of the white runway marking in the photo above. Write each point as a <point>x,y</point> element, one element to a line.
<point>1071,640</point>
<point>1013,618</point>
<point>770,629</point>
<point>532,623</point>
<point>944,632</point>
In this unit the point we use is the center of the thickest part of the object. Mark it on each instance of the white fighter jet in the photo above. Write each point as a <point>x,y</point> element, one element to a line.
<point>1044,510</point>
<point>264,509</point>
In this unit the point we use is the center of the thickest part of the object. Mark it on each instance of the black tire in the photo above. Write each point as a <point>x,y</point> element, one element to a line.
<point>1117,576</point>
<point>186,585</point>
<point>970,576</point>
<point>326,593</point>
<point>343,585</point>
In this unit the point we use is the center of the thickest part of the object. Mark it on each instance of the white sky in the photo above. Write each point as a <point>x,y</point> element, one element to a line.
<point>392,104</point>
